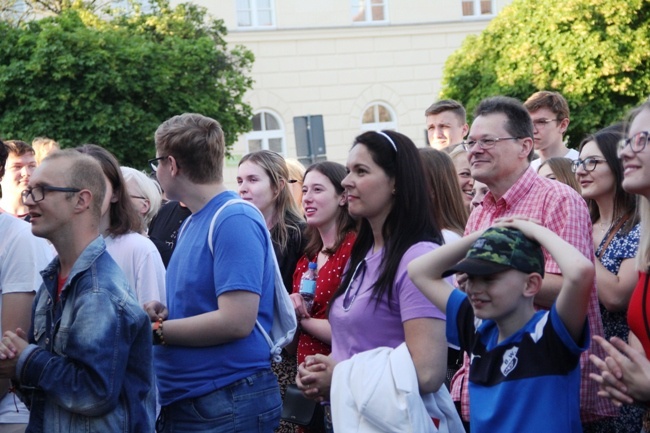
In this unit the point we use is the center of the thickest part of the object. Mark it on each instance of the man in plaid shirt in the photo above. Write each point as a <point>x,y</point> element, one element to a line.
<point>500,147</point>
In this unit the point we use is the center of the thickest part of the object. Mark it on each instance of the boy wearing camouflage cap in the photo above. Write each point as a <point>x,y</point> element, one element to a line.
<point>524,372</point>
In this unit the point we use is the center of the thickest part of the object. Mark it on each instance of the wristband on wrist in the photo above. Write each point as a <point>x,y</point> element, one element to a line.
<point>157,329</point>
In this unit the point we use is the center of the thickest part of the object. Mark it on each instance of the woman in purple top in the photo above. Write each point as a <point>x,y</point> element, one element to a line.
<point>377,304</point>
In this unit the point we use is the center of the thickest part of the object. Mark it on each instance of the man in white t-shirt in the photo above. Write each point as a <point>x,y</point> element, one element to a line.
<point>17,168</point>
<point>22,257</point>
<point>550,114</point>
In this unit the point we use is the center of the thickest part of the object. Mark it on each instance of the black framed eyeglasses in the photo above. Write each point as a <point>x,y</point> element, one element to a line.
<point>155,162</point>
<point>588,164</point>
<point>486,143</point>
<point>38,192</point>
<point>637,142</point>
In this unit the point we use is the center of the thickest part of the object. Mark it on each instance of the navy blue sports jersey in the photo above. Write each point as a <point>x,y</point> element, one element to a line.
<point>530,382</point>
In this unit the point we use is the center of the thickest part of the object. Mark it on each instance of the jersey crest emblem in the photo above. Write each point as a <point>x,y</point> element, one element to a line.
<point>509,361</point>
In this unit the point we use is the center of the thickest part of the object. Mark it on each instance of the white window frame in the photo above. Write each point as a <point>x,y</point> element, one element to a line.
<point>379,126</point>
<point>367,10</point>
<point>254,11</point>
<point>266,134</point>
<point>477,8</point>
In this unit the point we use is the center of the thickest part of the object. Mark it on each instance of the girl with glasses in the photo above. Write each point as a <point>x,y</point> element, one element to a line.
<point>616,233</point>
<point>377,304</point>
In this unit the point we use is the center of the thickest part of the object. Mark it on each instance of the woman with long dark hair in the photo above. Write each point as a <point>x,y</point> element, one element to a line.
<point>331,232</point>
<point>377,304</point>
<point>616,233</point>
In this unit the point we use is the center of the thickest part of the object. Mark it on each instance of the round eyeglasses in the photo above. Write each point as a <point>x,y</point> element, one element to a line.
<point>637,142</point>
<point>588,164</point>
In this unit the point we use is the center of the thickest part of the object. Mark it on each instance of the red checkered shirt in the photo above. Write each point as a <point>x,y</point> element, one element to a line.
<point>562,210</point>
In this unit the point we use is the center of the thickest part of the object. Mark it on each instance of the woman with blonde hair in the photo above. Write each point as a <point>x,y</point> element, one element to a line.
<point>465,180</point>
<point>559,169</point>
<point>145,194</point>
<point>448,206</point>
<point>296,175</point>
<point>263,179</point>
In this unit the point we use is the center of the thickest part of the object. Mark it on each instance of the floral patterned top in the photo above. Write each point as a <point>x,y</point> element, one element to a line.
<point>622,246</point>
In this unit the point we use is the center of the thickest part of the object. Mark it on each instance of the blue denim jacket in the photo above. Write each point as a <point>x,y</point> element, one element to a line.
<point>89,365</point>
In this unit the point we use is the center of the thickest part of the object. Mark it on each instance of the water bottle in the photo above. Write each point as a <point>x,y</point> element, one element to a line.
<point>308,285</point>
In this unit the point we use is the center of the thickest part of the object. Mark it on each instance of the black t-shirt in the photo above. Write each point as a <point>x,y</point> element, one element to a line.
<point>163,229</point>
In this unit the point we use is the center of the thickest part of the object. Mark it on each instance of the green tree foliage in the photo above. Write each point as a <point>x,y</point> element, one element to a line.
<point>595,52</point>
<point>112,78</point>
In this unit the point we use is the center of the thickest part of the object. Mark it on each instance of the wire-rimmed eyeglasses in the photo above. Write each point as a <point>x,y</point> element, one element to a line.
<point>637,142</point>
<point>541,123</point>
<point>485,143</point>
<point>38,192</point>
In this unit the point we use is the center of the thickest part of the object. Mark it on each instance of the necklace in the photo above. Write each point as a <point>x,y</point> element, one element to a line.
<point>603,226</point>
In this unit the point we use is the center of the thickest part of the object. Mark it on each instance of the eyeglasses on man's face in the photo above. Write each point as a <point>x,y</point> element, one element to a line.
<point>541,123</point>
<point>38,192</point>
<point>485,143</point>
<point>637,142</point>
<point>155,163</point>
<point>588,164</point>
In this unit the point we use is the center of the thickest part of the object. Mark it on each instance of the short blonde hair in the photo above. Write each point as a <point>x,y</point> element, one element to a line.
<point>296,177</point>
<point>147,188</point>
<point>42,147</point>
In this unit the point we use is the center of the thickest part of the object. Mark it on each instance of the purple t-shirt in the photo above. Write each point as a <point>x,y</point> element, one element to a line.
<point>359,323</point>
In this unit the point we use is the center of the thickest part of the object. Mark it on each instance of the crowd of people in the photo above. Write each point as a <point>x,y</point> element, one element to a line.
<point>494,281</point>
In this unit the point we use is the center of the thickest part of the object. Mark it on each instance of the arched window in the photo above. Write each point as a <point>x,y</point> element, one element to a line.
<point>267,133</point>
<point>378,116</point>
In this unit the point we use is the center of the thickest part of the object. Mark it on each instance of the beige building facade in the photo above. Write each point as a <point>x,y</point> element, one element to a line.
<point>360,64</point>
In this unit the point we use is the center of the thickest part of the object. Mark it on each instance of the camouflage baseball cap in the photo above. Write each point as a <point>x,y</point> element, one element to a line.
<point>500,249</point>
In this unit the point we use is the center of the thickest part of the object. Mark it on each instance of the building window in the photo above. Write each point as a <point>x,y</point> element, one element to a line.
<point>477,8</point>
<point>267,133</point>
<point>14,11</point>
<point>255,13</point>
<point>378,117</point>
<point>365,11</point>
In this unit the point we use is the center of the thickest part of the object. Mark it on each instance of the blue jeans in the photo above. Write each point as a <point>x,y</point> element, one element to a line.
<point>252,404</point>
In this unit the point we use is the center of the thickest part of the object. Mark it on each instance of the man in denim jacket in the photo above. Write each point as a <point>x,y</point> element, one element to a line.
<point>88,364</point>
